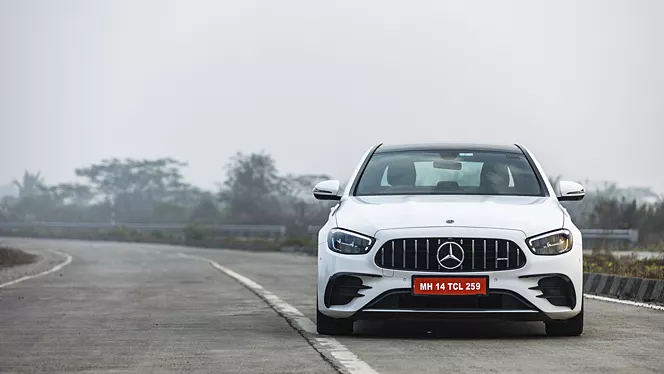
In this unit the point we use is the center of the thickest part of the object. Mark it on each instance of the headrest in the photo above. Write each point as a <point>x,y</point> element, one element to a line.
<point>401,173</point>
<point>494,174</point>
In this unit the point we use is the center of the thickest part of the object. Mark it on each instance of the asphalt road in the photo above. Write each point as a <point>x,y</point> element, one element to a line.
<point>144,308</point>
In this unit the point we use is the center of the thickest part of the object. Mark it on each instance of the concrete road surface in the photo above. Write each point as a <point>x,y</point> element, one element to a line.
<point>140,308</point>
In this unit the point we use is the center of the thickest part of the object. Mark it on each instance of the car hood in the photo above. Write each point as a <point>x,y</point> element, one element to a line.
<point>531,215</point>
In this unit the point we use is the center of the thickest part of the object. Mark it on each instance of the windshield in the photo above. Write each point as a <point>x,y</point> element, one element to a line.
<point>445,172</point>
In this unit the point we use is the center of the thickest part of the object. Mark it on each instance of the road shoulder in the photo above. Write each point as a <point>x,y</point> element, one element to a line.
<point>45,260</point>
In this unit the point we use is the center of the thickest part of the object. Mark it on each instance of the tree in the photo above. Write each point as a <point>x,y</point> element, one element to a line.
<point>156,177</point>
<point>252,188</point>
<point>71,193</point>
<point>302,209</point>
<point>142,190</point>
<point>205,212</point>
<point>30,184</point>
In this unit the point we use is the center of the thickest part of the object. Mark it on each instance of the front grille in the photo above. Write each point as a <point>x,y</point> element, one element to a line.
<point>421,254</point>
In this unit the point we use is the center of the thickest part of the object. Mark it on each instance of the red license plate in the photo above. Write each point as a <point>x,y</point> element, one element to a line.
<point>450,285</point>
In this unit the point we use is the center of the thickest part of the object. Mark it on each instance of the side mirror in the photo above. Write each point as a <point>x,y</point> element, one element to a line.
<point>569,191</point>
<point>327,190</point>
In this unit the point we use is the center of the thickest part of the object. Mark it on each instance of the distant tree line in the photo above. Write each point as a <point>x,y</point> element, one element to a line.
<point>612,207</point>
<point>154,191</point>
<point>254,191</point>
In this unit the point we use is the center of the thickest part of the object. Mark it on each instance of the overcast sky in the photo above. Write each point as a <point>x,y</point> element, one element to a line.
<point>315,83</point>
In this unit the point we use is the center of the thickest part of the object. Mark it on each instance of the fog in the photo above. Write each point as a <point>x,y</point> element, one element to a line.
<point>316,83</point>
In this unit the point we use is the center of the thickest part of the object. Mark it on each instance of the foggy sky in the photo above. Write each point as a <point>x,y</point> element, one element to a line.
<point>315,83</point>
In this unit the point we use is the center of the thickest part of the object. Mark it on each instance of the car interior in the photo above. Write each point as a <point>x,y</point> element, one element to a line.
<point>398,175</point>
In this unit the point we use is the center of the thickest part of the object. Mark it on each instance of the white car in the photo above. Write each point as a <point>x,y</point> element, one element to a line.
<point>450,231</point>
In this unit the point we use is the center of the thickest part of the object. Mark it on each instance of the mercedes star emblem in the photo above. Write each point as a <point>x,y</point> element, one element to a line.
<point>450,255</point>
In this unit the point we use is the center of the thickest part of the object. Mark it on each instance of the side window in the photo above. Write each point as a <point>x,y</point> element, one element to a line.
<point>383,179</point>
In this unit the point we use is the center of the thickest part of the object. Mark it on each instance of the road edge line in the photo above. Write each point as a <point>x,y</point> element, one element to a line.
<point>67,261</point>
<point>330,349</point>
<point>625,302</point>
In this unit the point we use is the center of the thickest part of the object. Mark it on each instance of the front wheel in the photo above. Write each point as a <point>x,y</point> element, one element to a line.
<point>570,327</point>
<point>333,326</point>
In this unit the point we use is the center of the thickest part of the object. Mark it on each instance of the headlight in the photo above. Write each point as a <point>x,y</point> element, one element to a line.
<point>348,242</point>
<point>552,243</point>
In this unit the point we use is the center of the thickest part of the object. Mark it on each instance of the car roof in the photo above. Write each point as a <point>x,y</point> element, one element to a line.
<point>477,147</point>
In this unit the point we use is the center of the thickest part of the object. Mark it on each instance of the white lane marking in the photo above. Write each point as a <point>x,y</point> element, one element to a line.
<point>626,302</point>
<point>341,357</point>
<point>57,267</point>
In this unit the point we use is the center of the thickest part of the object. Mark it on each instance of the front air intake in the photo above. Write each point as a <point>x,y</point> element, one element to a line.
<point>557,289</point>
<point>342,289</point>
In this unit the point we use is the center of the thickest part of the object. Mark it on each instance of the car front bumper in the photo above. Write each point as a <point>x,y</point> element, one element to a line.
<point>518,285</point>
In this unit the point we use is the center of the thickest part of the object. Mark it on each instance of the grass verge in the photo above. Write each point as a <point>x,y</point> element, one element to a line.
<point>626,266</point>
<point>13,257</point>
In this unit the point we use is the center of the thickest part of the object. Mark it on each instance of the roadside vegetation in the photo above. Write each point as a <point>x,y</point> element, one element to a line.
<point>13,257</point>
<point>626,265</point>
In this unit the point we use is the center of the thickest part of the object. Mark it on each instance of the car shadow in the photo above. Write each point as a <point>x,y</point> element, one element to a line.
<point>448,329</point>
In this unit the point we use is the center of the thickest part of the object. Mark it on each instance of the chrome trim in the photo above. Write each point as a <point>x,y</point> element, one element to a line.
<point>503,258</point>
<point>464,254</point>
<point>518,254</point>
<point>484,253</point>
<point>404,253</point>
<point>496,247</point>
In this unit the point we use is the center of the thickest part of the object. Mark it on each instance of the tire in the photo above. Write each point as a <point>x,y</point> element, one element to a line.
<point>570,327</point>
<point>333,326</point>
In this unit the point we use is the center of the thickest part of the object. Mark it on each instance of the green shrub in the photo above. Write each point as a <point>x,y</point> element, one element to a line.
<point>194,233</point>
<point>626,266</point>
<point>299,242</point>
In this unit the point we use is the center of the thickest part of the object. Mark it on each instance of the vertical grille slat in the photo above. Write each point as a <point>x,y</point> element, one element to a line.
<point>472,266</point>
<point>496,250</point>
<point>382,256</point>
<point>490,254</point>
<point>404,253</point>
<point>484,253</point>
